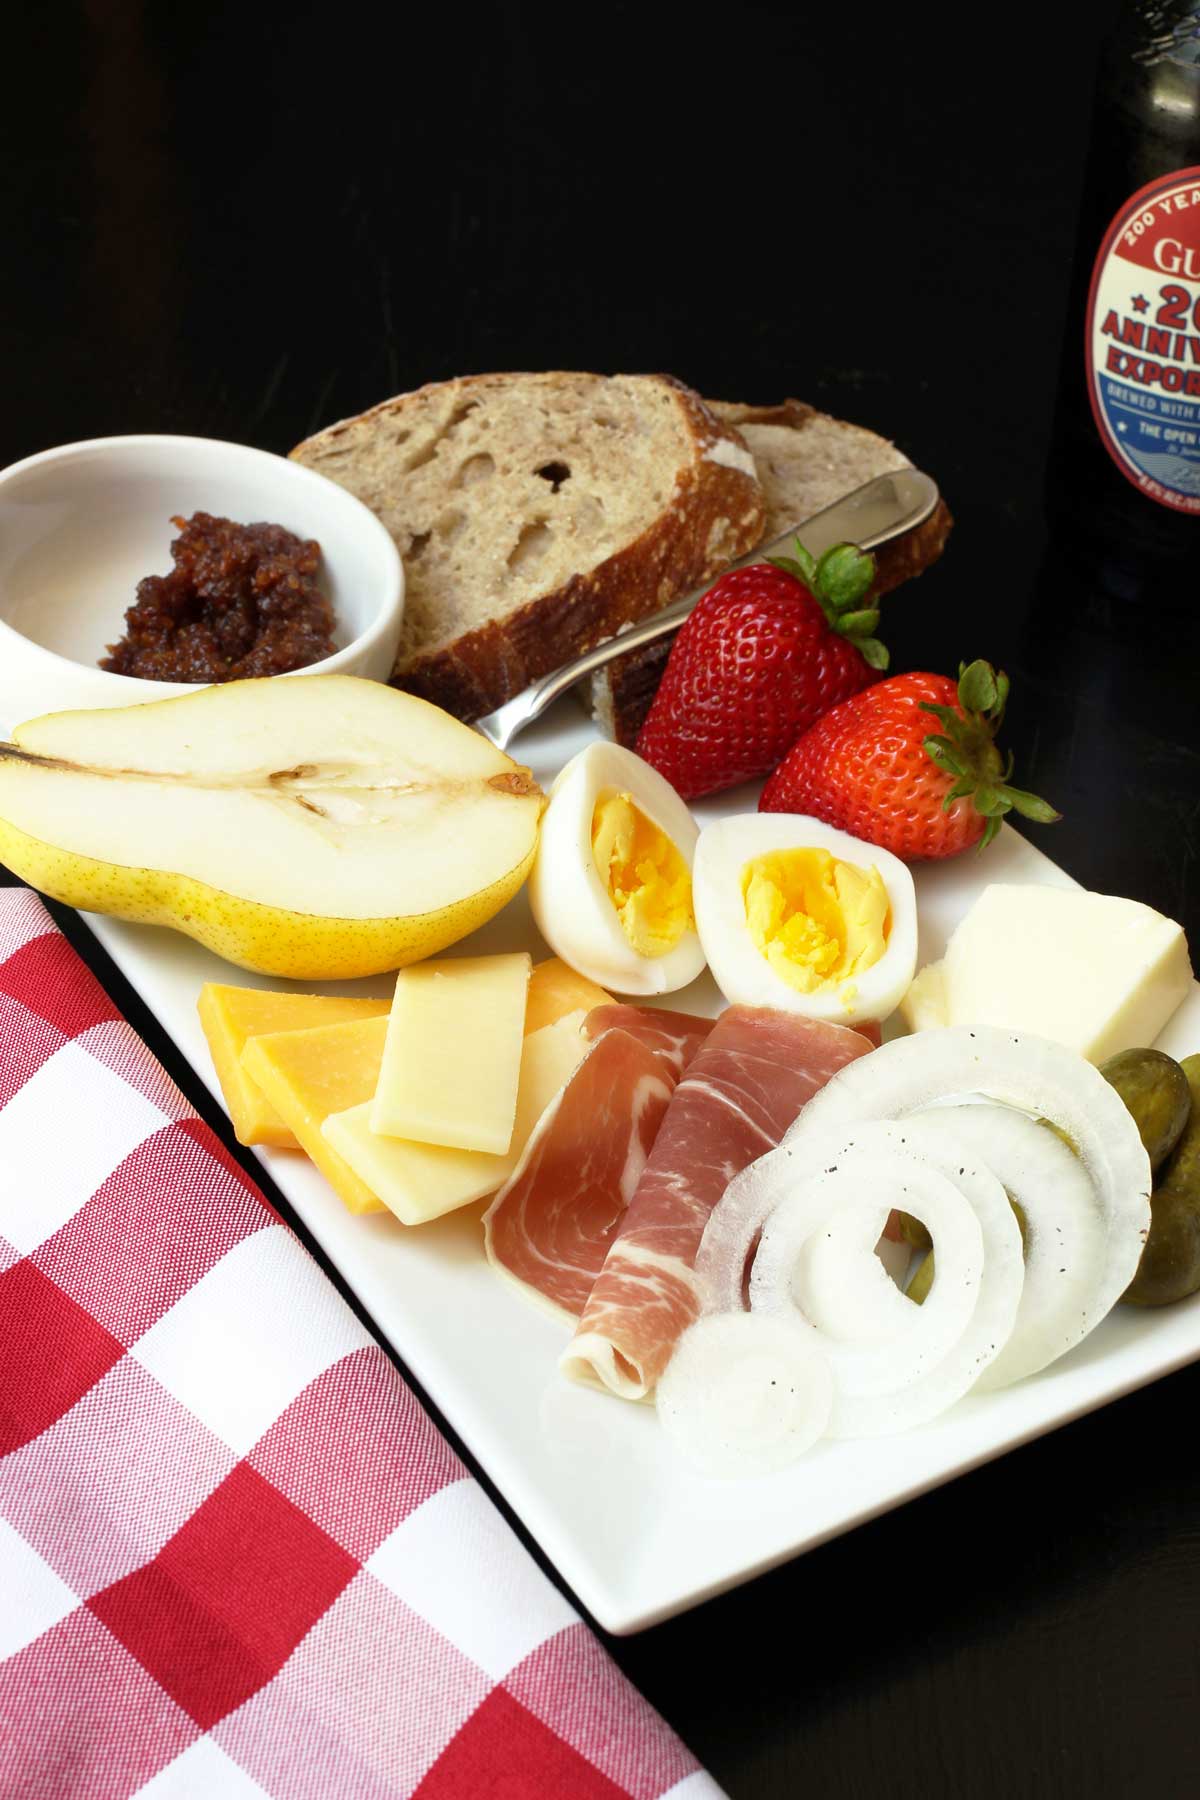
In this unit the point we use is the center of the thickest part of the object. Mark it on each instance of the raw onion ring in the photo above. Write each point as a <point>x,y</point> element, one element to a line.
<point>744,1394</point>
<point>894,1364</point>
<point>1065,1236</point>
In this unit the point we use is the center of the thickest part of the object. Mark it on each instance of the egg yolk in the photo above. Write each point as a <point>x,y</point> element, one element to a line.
<point>646,879</point>
<point>819,922</point>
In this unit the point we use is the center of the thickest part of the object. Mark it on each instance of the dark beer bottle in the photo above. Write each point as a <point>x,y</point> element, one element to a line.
<point>1124,474</point>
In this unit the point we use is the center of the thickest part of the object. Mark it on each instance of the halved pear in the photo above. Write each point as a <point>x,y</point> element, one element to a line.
<point>317,826</point>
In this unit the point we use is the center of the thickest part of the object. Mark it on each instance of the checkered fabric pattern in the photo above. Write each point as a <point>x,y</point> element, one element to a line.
<point>236,1558</point>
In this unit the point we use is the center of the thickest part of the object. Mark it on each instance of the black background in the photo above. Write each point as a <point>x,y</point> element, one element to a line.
<point>246,221</point>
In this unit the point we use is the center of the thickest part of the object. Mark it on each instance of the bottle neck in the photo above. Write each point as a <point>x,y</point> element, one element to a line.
<point>1149,80</point>
<point>1160,30</point>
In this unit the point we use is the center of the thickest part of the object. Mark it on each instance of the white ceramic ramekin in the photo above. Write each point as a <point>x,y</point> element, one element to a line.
<point>81,524</point>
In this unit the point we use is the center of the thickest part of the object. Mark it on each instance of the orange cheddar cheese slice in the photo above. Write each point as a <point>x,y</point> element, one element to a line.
<point>231,1016</point>
<point>306,1075</point>
<point>555,989</point>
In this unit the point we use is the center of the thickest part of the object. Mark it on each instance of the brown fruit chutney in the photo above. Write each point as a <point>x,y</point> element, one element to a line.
<point>241,600</point>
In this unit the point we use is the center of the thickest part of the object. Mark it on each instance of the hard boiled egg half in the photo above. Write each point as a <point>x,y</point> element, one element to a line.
<point>611,888</point>
<point>796,915</point>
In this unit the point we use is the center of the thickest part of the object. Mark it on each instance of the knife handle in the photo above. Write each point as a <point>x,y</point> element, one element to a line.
<point>873,514</point>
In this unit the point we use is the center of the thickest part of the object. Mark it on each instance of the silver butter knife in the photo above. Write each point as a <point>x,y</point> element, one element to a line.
<point>873,514</point>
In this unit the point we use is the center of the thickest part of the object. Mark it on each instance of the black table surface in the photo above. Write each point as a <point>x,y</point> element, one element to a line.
<point>244,222</point>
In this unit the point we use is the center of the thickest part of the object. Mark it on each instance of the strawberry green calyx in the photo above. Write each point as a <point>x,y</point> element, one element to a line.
<point>839,581</point>
<point>966,749</point>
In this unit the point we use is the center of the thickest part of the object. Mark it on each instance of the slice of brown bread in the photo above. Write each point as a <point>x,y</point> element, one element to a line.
<point>538,513</point>
<point>805,460</point>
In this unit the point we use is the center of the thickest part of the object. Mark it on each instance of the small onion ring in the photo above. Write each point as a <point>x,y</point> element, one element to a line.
<point>745,1394</point>
<point>904,1364</point>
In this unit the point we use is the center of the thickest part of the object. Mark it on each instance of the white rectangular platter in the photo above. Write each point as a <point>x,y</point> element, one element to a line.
<point>634,1532</point>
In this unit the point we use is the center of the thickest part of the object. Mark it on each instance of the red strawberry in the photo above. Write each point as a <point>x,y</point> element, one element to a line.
<point>872,767</point>
<point>769,648</point>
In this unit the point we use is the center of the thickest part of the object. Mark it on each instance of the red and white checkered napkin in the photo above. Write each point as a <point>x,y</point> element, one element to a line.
<point>236,1558</point>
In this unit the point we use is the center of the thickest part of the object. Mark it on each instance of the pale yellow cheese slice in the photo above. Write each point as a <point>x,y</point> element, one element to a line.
<point>306,1075</point>
<point>232,1015</point>
<point>556,989</point>
<point>420,1182</point>
<point>923,1007</point>
<point>452,1058</point>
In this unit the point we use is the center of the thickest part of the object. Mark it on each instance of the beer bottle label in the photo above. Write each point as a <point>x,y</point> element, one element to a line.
<point>1143,340</point>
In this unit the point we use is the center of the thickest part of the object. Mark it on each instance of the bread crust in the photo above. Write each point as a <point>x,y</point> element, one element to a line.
<point>717,512</point>
<point>795,414</point>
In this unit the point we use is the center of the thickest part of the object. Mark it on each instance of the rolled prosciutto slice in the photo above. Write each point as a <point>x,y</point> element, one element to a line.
<point>673,1036</point>
<point>745,1086</point>
<point>551,1224</point>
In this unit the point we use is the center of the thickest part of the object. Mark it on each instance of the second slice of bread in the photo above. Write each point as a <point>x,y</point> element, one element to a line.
<point>538,513</point>
<point>805,460</point>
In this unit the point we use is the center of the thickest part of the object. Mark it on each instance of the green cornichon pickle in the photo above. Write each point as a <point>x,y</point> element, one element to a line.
<point>1157,1095</point>
<point>1170,1265</point>
<point>918,1288</point>
<point>914,1232</point>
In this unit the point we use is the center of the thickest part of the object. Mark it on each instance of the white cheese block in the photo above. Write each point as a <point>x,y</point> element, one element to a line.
<point>419,1182</point>
<point>452,1057</point>
<point>1092,971</point>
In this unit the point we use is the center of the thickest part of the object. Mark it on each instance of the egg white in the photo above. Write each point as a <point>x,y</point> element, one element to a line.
<point>741,971</point>
<point>572,906</point>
